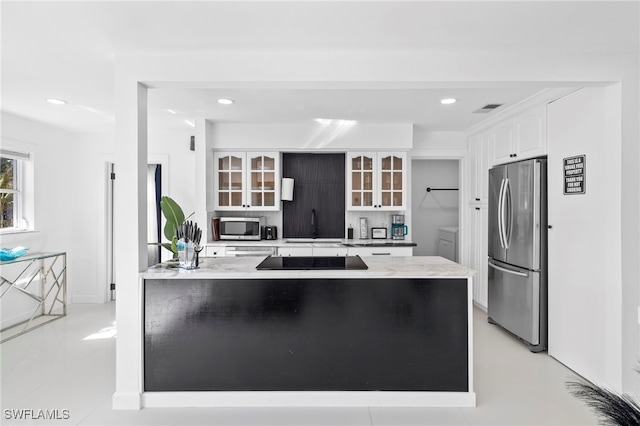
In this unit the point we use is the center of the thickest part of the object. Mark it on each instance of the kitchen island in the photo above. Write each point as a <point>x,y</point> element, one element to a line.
<point>398,333</point>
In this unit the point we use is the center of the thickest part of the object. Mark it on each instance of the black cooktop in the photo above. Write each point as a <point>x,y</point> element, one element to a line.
<point>312,262</point>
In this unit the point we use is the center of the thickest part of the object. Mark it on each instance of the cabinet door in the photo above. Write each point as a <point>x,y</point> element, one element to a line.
<point>380,251</point>
<point>483,165</point>
<point>391,181</point>
<point>263,181</point>
<point>531,133</point>
<point>229,180</point>
<point>330,251</point>
<point>503,147</point>
<point>479,161</point>
<point>295,251</point>
<point>361,180</point>
<point>478,234</point>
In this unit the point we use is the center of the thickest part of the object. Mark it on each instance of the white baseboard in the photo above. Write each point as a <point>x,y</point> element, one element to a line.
<point>308,399</point>
<point>126,401</point>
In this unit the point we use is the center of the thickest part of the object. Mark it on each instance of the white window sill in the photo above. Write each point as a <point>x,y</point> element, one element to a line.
<point>17,231</point>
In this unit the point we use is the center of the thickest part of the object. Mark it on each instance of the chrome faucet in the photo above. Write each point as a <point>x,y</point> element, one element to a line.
<point>314,226</point>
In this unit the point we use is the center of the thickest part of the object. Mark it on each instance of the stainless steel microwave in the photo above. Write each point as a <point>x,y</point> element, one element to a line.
<point>241,228</point>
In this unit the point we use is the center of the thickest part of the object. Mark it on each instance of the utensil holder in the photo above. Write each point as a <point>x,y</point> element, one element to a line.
<point>187,254</point>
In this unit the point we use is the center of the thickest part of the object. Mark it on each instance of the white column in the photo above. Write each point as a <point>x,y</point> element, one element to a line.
<point>130,236</point>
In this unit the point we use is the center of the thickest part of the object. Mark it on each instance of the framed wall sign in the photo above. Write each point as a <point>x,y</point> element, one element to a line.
<point>379,233</point>
<point>574,174</point>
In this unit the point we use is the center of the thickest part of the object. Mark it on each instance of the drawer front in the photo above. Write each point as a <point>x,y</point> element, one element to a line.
<point>381,251</point>
<point>210,251</point>
<point>330,251</point>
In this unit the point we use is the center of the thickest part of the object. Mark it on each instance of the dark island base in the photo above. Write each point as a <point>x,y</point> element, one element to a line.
<point>306,335</point>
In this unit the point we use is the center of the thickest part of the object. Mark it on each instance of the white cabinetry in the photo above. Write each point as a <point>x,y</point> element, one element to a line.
<point>247,181</point>
<point>381,251</point>
<point>478,237</point>
<point>479,160</point>
<point>330,251</point>
<point>520,137</point>
<point>481,149</point>
<point>376,180</point>
<point>448,243</point>
<point>336,250</point>
<point>214,251</point>
<point>295,251</point>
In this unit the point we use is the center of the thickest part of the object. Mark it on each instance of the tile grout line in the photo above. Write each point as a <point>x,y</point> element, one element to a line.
<point>370,416</point>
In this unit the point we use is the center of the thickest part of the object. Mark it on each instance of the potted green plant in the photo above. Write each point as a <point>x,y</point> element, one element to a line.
<point>174,217</point>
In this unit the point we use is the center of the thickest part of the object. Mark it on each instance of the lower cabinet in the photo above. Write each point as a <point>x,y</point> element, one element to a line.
<point>330,251</point>
<point>380,251</point>
<point>312,251</point>
<point>214,251</point>
<point>295,251</point>
<point>478,241</point>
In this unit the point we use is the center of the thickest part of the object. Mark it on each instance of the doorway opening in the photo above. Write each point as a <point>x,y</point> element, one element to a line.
<point>435,207</point>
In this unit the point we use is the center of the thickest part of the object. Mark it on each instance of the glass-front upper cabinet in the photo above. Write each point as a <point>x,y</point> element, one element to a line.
<point>361,172</point>
<point>247,180</point>
<point>376,181</point>
<point>263,186</point>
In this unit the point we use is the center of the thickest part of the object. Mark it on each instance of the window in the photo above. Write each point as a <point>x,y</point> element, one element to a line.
<point>15,193</point>
<point>9,193</point>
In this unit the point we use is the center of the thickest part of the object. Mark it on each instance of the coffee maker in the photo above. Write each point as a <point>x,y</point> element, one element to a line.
<point>398,228</point>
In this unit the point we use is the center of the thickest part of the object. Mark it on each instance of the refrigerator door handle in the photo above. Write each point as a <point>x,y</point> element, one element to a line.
<point>509,215</point>
<point>508,271</point>
<point>500,213</point>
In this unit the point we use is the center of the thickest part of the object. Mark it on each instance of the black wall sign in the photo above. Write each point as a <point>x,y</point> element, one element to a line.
<point>574,174</point>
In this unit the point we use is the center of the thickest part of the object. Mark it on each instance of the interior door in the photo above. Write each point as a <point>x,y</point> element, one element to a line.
<point>584,239</point>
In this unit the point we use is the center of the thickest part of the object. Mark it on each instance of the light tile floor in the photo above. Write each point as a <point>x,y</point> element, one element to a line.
<point>56,368</point>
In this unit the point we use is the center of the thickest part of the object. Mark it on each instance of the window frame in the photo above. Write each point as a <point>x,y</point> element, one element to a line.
<point>23,191</point>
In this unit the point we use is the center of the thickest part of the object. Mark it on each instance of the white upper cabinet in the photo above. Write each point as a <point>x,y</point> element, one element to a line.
<point>521,137</point>
<point>376,180</point>
<point>247,181</point>
<point>479,164</point>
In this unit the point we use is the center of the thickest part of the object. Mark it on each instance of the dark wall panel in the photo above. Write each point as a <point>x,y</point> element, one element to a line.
<point>319,185</point>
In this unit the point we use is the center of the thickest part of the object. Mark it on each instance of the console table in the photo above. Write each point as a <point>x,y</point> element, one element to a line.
<point>41,277</point>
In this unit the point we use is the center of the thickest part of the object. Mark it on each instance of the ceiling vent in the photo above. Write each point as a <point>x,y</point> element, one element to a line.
<point>487,108</point>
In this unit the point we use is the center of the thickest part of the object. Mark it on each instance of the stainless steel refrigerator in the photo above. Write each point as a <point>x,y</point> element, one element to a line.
<point>517,273</point>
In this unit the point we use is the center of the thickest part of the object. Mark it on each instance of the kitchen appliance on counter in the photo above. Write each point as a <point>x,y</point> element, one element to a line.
<point>398,228</point>
<point>241,228</point>
<point>312,262</point>
<point>517,276</point>
<point>270,233</point>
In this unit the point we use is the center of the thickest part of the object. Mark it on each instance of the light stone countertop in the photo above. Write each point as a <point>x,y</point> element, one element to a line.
<point>379,267</point>
<point>319,242</point>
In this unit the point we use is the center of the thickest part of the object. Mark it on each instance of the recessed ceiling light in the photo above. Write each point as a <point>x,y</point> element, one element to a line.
<point>225,101</point>
<point>56,101</point>
<point>448,101</point>
<point>189,123</point>
<point>171,111</point>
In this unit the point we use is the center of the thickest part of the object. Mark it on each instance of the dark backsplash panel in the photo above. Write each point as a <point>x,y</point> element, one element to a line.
<point>320,185</point>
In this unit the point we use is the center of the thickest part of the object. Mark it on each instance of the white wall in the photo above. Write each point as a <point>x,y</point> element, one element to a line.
<point>411,68</point>
<point>54,199</point>
<point>432,210</point>
<point>312,136</point>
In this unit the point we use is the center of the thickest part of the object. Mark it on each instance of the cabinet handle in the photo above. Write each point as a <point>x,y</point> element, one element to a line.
<point>477,199</point>
<point>477,208</point>
<point>381,254</point>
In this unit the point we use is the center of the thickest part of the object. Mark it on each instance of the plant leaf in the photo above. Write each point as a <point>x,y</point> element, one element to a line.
<point>173,214</point>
